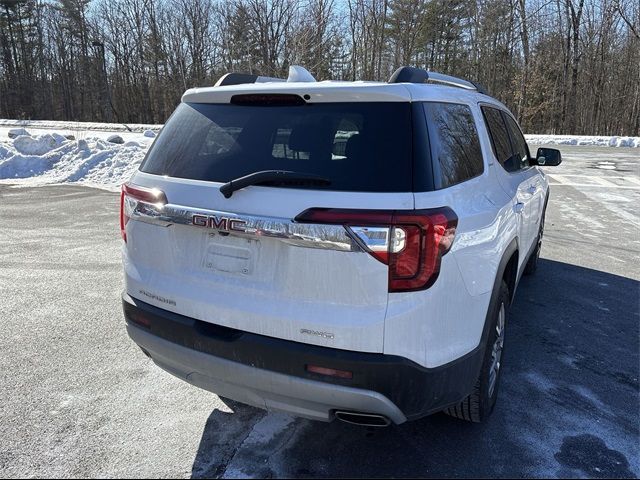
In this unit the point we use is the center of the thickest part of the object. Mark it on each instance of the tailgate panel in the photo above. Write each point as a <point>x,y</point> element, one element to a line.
<point>305,283</point>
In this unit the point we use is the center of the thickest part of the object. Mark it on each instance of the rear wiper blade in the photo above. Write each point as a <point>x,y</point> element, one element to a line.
<point>273,177</point>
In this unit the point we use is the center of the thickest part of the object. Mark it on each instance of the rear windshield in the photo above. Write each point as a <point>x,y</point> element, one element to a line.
<point>357,146</point>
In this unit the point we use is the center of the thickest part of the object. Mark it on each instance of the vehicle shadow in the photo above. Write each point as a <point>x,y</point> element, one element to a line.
<point>568,404</point>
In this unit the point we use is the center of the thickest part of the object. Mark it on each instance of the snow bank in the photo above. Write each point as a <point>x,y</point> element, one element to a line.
<point>584,140</point>
<point>52,158</point>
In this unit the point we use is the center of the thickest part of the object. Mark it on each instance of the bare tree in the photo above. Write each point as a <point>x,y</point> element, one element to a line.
<point>563,66</point>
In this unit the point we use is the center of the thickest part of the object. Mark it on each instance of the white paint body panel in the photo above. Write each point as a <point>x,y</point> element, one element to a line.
<point>289,288</point>
<point>438,325</point>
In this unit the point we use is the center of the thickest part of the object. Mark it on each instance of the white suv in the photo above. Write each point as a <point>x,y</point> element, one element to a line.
<point>334,249</point>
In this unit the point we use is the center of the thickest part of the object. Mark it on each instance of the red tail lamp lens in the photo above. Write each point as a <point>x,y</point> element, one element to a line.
<point>428,239</point>
<point>411,242</point>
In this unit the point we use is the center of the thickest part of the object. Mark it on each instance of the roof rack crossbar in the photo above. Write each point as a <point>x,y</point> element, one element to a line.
<point>419,75</point>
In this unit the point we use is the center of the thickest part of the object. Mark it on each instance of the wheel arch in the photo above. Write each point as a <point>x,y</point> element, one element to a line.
<point>507,272</point>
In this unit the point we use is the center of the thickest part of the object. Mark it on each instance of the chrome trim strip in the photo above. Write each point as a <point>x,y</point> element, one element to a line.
<point>328,237</point>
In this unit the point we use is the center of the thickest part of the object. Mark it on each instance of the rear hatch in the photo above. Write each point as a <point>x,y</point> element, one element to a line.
<point>244,261</point>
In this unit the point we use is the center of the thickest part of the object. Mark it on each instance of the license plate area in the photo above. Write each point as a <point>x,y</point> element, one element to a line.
<point>229,254</point>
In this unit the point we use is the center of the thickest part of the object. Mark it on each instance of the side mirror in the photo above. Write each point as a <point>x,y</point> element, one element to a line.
<point>548,157</point>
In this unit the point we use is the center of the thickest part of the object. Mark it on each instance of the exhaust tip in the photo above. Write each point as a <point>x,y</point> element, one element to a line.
<point>363,419</point>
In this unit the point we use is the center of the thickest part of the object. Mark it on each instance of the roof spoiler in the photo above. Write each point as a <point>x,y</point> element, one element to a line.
<point>296,74</point>
<point>419,75</point>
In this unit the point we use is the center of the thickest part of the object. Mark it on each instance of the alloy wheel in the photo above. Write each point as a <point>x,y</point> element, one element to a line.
<point>496,352</point>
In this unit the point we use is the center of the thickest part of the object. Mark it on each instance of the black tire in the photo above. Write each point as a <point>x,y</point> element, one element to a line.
<point>532,264</point>
<point>479,404</point>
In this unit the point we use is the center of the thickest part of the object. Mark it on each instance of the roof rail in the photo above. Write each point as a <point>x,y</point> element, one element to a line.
<point>296,74</point>
<point>419,75</point>
<point>479,88</point>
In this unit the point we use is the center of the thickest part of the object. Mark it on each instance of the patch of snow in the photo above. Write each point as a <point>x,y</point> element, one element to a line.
<point>25,166</point>
<point>584,140</point>
<point>93,126</point>
<point>36,145</point>
<point>60,138</point>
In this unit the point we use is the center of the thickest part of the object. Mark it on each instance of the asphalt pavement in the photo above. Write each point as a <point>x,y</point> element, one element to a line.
<point>77,398</point>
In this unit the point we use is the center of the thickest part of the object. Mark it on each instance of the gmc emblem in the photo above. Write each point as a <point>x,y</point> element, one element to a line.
<point>219,223</point>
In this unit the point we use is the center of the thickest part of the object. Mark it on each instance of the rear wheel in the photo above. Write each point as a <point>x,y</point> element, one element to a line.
<point>479,404</point>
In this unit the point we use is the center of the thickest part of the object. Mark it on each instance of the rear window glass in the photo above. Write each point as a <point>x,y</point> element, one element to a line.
<point>455,145</point>
<point>357,146</point>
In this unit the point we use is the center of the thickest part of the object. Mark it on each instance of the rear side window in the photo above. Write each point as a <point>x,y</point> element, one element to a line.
<point>357,146</point>
<point>498,133</point>
<point>454,142</point>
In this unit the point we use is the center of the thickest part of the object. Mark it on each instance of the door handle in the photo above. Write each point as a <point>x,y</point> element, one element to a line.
<point>518,207</point>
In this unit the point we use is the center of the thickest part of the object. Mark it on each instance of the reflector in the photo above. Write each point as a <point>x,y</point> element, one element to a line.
<point>330,372</point>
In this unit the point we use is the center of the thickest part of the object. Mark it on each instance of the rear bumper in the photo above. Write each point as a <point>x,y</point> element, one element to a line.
<point>271,373</point>
<point>261,388</point>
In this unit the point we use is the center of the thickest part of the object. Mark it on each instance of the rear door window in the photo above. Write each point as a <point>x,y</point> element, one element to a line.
<point>509,145</point>
<point>454,142</point>
<point>519,144</point>
<point>357,146</point>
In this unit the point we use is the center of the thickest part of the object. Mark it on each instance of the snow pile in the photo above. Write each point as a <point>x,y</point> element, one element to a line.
<point>52,158</point>
<point>584,140</point>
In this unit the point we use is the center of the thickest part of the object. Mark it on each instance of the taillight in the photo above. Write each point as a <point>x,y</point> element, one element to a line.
<point>131,196</point>
<point>410,242</point>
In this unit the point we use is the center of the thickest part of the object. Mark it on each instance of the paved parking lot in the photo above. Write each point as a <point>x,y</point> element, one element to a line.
<point>77,398</point>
